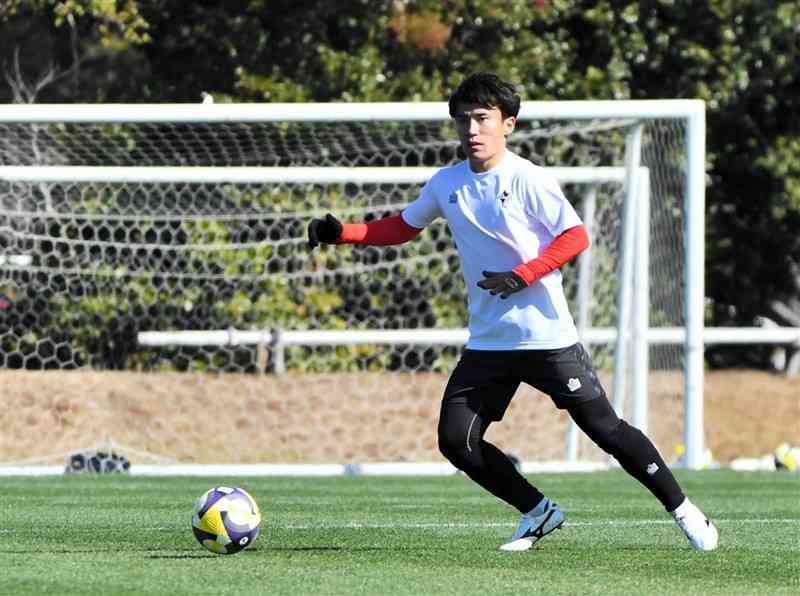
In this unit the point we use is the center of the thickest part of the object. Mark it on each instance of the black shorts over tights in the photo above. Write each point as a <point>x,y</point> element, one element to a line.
<point>567,375</point>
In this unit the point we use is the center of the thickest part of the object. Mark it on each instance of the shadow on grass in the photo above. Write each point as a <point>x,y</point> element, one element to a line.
<point>310,548</point>
<point>202,554</point>
<point>96,551</point>
<point>184,556</point>
<point>257,551</point>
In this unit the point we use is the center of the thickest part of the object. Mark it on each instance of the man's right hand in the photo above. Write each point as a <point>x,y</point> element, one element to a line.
<point>325,231</point>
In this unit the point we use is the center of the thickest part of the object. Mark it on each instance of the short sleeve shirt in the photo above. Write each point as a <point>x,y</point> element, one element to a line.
<point>498,220</point>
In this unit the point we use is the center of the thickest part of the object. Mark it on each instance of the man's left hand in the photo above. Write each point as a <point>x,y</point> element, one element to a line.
<point>504,283</point>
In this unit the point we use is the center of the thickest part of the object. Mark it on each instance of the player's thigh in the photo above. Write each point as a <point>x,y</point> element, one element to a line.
<point>480,383</point>
<point>567,375</point>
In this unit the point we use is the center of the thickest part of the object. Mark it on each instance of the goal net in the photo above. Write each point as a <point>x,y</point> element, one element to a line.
<point>159,297</point>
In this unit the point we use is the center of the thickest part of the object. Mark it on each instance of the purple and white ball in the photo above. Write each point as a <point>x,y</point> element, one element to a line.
<point>226,520</point>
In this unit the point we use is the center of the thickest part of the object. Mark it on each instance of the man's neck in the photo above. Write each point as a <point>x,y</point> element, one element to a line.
<point>481,167</point>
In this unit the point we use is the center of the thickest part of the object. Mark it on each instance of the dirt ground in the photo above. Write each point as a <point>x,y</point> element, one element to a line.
<point>230,418</point>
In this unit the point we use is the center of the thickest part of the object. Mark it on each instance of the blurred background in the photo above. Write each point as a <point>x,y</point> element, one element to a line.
<point>741,57</point>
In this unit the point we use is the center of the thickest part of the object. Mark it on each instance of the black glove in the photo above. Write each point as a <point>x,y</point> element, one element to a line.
<point>326,231</point>
<point>504,283</point>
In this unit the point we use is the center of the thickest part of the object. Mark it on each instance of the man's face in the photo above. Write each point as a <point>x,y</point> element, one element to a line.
<point>482,132</point>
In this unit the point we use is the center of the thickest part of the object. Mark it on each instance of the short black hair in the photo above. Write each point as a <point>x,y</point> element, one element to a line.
<point>486,89</point>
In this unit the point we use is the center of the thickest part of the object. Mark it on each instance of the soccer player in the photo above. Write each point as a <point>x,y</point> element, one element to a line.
<point>514,230</point>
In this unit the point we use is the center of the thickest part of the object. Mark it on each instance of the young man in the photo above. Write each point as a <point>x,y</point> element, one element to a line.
<point>514,229</point>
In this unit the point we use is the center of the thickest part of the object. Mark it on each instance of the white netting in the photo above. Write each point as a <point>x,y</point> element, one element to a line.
<point>111,260</point>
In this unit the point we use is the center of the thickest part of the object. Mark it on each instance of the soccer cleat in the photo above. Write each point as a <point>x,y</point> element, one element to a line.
<point>698,529</point>
<point>534,525</point>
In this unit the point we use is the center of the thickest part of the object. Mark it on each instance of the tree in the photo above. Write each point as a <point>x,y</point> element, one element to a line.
<point>70,50</point>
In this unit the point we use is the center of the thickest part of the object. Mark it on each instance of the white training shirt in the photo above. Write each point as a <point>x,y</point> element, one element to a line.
<point>500,219</point>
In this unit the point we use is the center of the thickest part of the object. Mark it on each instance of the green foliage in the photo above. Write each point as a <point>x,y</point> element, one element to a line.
<point>118,23</point>
<point>781,161</point>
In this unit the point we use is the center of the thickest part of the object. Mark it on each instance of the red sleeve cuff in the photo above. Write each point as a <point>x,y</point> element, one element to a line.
<point>558,253</point>
<point>382,232</point>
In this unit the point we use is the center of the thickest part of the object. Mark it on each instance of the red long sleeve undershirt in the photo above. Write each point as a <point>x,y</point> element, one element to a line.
<point>394,230</point>
<point>381,232</point>
<point>559,252</point>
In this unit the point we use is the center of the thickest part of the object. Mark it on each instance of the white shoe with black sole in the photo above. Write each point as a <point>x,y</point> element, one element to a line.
<point>534,525</point>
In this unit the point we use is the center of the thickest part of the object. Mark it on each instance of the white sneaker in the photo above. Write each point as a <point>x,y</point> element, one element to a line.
<point>698,529</point>
<point>535,524</point>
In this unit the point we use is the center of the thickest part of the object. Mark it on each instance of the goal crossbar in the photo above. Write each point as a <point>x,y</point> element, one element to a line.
<point>270,175</point>
<point>336,112</point>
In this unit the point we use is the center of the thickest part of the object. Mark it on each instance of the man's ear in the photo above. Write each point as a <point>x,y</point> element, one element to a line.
<point>509,124</point>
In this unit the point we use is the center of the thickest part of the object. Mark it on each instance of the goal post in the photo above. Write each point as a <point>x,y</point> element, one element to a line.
<point>166,220</point>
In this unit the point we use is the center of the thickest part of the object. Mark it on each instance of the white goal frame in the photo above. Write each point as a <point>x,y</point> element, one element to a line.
<point>691,112</point>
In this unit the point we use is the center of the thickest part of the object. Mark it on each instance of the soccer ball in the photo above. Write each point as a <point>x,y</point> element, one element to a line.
<point>226,520</point>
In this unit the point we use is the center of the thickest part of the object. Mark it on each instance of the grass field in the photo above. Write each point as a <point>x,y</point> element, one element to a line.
<point>386,536</point>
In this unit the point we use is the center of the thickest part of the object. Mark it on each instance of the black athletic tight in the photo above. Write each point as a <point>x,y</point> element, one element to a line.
<point>461,430</point>
<point>632,449</point>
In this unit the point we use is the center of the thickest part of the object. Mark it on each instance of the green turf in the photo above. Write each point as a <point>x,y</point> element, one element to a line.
<point>362,535</point>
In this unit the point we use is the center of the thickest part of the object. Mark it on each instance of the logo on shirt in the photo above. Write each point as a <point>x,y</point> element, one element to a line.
<point>573,384</point>
<point>453,198</point>
<point>503,198</point>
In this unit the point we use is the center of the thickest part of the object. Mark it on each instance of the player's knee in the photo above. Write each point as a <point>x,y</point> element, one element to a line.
<point>608,436</point>
<point>601,424</point>
<point>453,446</point>
<point>449,441</point>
